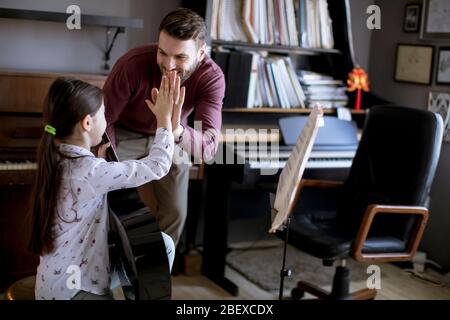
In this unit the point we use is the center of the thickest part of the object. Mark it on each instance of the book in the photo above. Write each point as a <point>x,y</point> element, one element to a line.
<point>304,23</point>
<point>229,21</point>
<point>241,80</point>
<point>247,21</point>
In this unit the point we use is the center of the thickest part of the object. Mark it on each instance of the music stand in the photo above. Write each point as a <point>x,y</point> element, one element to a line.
<point>288,188</point>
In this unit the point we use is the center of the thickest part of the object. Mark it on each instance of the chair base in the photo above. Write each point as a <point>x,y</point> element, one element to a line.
<point>340,290</point>
<point>304,286</point>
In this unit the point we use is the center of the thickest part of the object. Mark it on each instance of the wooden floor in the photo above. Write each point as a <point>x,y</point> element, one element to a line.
<point>398,285</point>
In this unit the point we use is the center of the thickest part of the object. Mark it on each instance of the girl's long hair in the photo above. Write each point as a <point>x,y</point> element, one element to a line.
<point>68,101</point>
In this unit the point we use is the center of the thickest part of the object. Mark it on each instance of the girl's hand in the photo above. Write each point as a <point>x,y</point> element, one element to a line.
<point>164,102</point>
<point>101,153</point>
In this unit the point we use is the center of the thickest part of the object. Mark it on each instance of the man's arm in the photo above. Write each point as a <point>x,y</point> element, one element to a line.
<point>202,142</point>
<point>116,93</point>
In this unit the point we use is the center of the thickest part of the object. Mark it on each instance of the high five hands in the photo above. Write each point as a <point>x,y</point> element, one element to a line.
<point>168,101</point>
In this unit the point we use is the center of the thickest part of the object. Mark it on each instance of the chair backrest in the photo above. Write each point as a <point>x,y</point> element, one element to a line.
<point>395,162</point>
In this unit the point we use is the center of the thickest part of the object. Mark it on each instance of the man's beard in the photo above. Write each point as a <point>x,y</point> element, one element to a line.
<point>184,74</point>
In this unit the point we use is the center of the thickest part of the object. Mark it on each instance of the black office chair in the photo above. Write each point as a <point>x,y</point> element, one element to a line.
<point>379,212</point>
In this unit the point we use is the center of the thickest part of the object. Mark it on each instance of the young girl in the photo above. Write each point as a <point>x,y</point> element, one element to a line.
<point>70,211</point>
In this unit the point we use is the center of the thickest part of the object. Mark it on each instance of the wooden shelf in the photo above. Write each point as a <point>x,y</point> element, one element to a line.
<point>272,48</point>
<point>86,19</point>
<point>279,110</point>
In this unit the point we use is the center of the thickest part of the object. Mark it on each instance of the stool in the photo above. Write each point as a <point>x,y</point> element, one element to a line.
<point>22,289</point>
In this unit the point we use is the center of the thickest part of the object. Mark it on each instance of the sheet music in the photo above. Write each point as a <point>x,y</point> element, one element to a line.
<point>293,171</point>
<point>326,27</point>
<point>230,22</point>
<point>214,19</point>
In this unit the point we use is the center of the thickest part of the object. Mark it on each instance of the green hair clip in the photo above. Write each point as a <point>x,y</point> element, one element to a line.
<point>49,129</point>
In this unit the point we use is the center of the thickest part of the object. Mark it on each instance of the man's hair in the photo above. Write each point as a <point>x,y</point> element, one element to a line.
<point>184,24</point>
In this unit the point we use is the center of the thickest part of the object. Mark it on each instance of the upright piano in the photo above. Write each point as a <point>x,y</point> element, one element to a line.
<point>22,96</point>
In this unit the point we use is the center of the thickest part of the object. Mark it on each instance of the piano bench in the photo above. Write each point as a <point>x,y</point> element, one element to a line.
<point>22,289</point>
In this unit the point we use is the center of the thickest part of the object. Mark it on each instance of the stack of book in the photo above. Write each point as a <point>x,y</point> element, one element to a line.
<point>323,89</point>
<point>304,23</point>
<point>255,80</point>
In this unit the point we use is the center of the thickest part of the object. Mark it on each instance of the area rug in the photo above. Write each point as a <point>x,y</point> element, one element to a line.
<point>262,267</point>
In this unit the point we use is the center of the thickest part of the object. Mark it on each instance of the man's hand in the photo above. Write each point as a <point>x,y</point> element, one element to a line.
<point>178,104</point>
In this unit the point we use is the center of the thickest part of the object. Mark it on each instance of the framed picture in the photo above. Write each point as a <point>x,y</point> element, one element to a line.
<point>443,67</point>
<point>414,63</point>
<point>439,102</point>
<point>436,24</point>
<point>411,22</point>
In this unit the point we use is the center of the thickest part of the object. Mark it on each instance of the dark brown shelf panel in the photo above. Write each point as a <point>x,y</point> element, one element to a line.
<point>272,48</point>
<point>86,19</point>
<point>279,110</point>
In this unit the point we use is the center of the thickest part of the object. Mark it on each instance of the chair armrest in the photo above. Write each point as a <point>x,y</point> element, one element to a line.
<point>413,242</point>
<point>321,183</point>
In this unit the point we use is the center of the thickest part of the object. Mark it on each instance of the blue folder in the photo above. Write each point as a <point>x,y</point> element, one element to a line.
<point>335,135</point>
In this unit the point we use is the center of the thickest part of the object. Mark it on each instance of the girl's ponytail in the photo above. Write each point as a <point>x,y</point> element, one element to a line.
<point>45,195</point>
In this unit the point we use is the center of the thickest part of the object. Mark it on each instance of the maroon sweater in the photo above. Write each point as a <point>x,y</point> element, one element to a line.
<point>130,83</point>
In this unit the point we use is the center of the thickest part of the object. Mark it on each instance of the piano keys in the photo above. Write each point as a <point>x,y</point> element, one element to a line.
<point>317,159</point>
<point>335,144</point>
<point>313,163</point>
<point>18,166</point>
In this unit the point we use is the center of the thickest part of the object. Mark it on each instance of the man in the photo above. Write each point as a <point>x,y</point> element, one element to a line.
<point>136,75</point>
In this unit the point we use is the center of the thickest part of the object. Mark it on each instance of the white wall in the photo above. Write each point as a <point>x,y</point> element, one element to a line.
<point>382,63</point>
<point>361,34</point>
<point>50,46</point>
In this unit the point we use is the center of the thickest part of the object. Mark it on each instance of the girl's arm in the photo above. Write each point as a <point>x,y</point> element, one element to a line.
<point>108,176</point>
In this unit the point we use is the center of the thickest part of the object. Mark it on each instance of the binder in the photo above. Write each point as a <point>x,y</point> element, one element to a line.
<point>240,80</point>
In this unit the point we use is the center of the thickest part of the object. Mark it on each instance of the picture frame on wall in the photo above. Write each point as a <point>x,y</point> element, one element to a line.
<point>414,63</point>
<point>439,102</point>
<point>443,66</point>
<point>436,24</point>
<point>411,21</point>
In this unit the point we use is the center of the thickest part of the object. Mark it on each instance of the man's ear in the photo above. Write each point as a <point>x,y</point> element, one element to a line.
<point>202,52</point>
<point>86,123</point>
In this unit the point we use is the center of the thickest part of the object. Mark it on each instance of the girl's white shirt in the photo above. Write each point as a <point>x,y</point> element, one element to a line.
<point>80,260</point>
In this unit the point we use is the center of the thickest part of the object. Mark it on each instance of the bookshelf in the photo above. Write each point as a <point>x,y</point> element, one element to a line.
<point>336,61</point>
<point>272,48</point>
<point>280,110</point>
